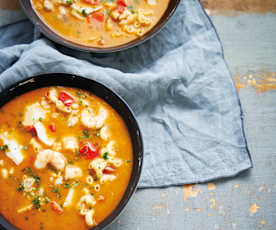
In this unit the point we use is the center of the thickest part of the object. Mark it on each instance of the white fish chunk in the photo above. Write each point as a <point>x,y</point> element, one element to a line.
<point>33,113</point>
<point>42,135</point>
<point>70,143</point>
<point>14,149</point>
<point>92,120</point>
<point>72,172</point>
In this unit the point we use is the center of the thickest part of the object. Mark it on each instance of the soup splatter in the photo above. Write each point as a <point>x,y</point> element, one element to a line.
<point>65,159</point>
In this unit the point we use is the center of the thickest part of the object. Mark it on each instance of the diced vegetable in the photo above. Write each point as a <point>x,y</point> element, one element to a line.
<point>98,16</point>
<point>56,207</point>
<point>30,129</point>
<point>66,99</point>
<point>88,151</point>
<point>108,170</point>
<point>122,3</point>
<point>92,2</point>
<point>52,127</point>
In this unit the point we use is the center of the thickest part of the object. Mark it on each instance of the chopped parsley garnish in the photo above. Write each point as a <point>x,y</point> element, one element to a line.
<point>85,133</point>
<point>20,187</point>
<point>84,13</point>
<point>127,161</point>
<point>36,203</point>
<point>57,192</point>
<point>37,179</point>
<point>4,148</point>
<point>25,148</point>
<point>40,119</point>
<point>66,185</point>
<point>80,94</point>
<point>105,156</point>
<point>32,174</point>
<point>26,218</point>
<point>20,114</point>
<point>69,2</point>
<point>132,9</point>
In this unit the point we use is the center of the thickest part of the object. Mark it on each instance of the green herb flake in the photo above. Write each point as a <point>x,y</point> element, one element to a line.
<point>105,156</point>
<point>85,133</point>
<point>36,203</point>
<point>84,13</point>
<point>20,114</point>
<point>40,119</point>
<point>25,148</point>
<point>26,218</point>
<point>54,190</point>
<point>67,185</point>
<point>69,2</point>
<point>20,187</point>
<point>3,148</point>
<point>37,179</point>
<point>127,161</point>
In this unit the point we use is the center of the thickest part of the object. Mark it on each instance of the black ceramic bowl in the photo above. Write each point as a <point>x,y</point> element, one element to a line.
<point>48,32</point>
<point>61,79</point>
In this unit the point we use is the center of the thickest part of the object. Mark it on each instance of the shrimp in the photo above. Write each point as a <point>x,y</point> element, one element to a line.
<point>105,133</point>
<point>92,120</point>
<point>48,156</point>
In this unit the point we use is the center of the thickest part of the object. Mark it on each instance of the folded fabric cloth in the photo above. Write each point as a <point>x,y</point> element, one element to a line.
<point>177,83</point>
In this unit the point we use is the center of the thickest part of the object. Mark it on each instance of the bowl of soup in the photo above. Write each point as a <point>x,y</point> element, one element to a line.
<point>99,25</point>
<point>71,154</point>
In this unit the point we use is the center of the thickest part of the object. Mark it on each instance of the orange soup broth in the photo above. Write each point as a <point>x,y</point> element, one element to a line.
<point>45,218</point>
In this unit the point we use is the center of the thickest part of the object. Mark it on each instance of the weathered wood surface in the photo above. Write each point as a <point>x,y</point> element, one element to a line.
<point>247,201</point>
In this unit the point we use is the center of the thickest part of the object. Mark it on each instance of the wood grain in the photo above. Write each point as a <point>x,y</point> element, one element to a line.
<point>232,7</point>
<point>9,4</point>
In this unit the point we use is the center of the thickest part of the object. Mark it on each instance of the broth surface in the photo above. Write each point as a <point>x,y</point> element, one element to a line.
<point>100,23</point>
<point>65,159</point>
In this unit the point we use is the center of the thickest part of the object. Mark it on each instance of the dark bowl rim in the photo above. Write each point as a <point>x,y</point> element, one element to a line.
<point>132,185</point>
<point>54,36</point>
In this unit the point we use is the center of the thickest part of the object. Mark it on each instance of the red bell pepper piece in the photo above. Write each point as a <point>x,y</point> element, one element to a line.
<point>52,127</point>
<point>108,170</point>
<point>30,129</point>
<point>92,2</point>
<point>99,16</point>
<point>66,99</point>
<point>88,151</point>
<point>122,3</point>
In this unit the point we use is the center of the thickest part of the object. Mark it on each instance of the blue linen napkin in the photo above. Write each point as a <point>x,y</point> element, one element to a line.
<point>177,83</point>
